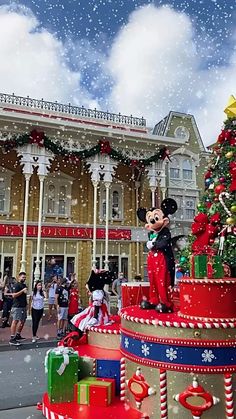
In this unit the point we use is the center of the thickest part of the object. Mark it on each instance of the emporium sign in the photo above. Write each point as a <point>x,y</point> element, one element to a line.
<point>57,232</point>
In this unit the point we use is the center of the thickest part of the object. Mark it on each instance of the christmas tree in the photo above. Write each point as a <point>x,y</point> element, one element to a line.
<point>214,226</point>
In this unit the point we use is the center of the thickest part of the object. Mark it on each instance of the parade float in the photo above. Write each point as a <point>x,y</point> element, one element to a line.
<point>154,364</point>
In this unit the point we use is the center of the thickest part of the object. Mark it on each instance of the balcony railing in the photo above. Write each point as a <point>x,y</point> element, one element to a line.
<point>71,110</point>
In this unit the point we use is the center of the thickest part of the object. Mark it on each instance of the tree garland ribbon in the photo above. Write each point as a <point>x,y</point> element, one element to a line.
<point>103,147</point>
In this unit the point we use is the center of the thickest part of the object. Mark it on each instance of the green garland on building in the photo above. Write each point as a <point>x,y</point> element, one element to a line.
<point>103,147</point>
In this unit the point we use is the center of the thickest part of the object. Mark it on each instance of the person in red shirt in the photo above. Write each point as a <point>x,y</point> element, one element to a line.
<point>73,300</point>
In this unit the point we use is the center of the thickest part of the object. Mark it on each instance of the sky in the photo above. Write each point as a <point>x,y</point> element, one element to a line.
<point>139,57</point>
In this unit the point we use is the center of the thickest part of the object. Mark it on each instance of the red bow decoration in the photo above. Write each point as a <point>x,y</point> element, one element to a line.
<point>105,147</point>
<point>134,163</point>
<point>205,231</point>
<point>37,138</point>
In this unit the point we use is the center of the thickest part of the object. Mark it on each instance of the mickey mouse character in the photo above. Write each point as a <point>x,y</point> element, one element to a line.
<point>160,261</point>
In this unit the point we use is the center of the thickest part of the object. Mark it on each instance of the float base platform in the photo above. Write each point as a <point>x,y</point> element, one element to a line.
<point>73,410</point>
<point>97,353</point>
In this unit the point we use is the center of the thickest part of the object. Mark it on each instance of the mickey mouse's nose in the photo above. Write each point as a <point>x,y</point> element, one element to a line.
<point>152,221</point>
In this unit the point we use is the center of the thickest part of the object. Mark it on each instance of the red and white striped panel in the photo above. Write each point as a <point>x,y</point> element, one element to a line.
<point>51,415</point>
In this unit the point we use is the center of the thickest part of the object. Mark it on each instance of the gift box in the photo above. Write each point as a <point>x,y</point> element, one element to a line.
<point>85,367</point>
<point>61,365</point>
<point>215,267</point>
<point>82,389</point>
<point>100,393</point>
<point>199,266</point>
<point>109,368</point>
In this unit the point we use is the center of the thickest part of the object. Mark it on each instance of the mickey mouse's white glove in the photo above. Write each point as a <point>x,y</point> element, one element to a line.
<point>150,244</point>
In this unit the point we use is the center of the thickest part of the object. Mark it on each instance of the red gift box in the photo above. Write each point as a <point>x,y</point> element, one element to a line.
<point>113,385</point>
<point>100,394</point>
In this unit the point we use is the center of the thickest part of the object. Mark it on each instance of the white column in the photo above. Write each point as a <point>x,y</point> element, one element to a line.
<point>26,205</point>
<point>37,263</point>
<point>107,186</point>
<point>153,191</point>
<point>137,185</point>
<point>95,194</point>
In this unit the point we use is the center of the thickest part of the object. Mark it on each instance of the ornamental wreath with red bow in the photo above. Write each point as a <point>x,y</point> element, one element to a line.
<point>37,137</point>
<point>105,147</point>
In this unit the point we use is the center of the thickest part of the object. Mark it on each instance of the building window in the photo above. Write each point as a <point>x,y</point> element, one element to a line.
<point>5,189</point>
<point>57,197</point>
<point>190,208</point>
<point>174,169</point>
<point>115,204</point>
<point>187,170</point>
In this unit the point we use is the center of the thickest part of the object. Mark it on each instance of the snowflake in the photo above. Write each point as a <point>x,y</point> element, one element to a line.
<point>126,343</point>
<point>145,350</point>
<point>208,356</point>
<point>171,354</point>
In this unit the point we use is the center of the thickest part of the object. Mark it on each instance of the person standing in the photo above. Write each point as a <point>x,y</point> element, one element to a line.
<point>62,303</point>
<point>73,307</point>
<point>7,301</point>
<point>51,288</point>
<point>19,309</point>
<point>37,306</point>
<point>116,288</point>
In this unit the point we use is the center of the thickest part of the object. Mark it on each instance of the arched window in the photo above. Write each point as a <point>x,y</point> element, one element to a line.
<point>5,190</point>
<point>62,200</point>
<point>57,196</point>
<point>115,205</point>
<point>187,170</point>
<point>51,199</point>
<point>174,169</point>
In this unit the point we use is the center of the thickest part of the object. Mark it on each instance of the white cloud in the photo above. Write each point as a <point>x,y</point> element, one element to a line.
<point>33,61</point>
<point>156,68</point>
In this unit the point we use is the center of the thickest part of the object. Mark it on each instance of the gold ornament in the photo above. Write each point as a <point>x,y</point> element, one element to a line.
<point>233,208</point>
<point>230,109</point>
<point>230,221</point>
<point>229,155</point>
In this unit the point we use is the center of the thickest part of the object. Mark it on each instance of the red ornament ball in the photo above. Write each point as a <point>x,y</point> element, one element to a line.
<point>222,179</point>
<point>219,188</point>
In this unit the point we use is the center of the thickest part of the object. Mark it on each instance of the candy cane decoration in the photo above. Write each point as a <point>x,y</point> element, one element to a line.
<point>94,367</point>
<point>122,379</point>
<point>229,400</point>
<point>226,195</point>
<point>163,394</point>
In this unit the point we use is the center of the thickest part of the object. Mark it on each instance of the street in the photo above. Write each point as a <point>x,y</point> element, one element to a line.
<point>22,380</point>
<point>21,413</point>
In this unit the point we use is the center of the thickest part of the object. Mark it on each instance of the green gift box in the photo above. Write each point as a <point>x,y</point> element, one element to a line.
<point>62,368</point>
<point>85,368</point>
<point>199,266</point>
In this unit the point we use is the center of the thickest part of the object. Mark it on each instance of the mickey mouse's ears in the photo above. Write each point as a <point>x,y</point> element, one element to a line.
<point>169,206</point>
<point>141,213</point>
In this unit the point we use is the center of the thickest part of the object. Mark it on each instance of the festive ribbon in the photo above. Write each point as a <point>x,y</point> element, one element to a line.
<point>60,350</point>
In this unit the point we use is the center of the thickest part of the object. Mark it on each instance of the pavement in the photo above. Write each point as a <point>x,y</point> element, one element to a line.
<point>47,332</point>
<point>21,413</point>
<point>22,377</point>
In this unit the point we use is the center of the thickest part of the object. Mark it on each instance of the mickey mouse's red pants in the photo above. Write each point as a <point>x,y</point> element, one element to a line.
<point>159,278</point>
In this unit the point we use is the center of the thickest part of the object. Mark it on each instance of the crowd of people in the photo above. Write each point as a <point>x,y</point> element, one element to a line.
<point>63,303</point>
<point>63,300</point>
